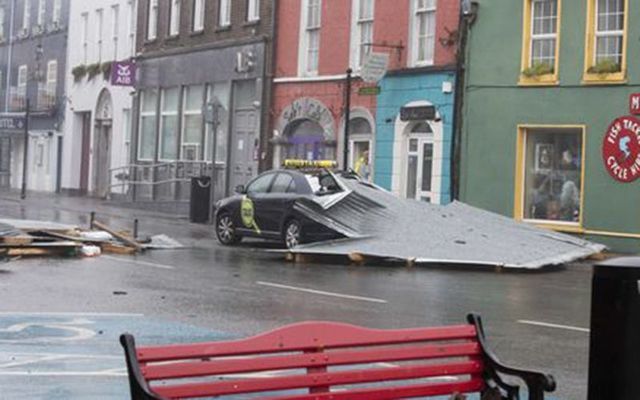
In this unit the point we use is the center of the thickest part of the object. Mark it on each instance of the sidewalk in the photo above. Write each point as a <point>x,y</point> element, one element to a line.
<point>76,210</point>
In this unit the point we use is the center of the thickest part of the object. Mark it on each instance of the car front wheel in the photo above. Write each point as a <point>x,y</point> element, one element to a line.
<point>226,230</point>
<point>292,234</point>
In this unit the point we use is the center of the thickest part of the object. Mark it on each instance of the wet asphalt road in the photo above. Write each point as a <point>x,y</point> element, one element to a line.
<point>206,291</point>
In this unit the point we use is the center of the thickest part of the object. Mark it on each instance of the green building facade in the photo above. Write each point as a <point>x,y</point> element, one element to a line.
<point>547,81</point>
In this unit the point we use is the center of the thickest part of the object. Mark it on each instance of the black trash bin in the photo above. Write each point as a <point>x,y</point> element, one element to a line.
<point>614,354</point>
<point>200,202</point>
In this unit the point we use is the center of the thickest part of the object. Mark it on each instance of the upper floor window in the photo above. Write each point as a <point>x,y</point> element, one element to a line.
<point>363,19</point>
<point>423,31</point>
<point>253,10</point>
<point>540,45</point>
<point>311,17</point>
<point>131,29</point>
<point>152,20</point>
<point>42,4</point>
<point>224,13</point>
<point>85,37</point>
<point>99,23</point>
<point>26,15</point>
<point>57,12</point>
<point>22,79</point>
<point>174,17</point>
<point>115,26</point>
<point>198,15</point>
<point>2,15</point>
<point>606,40</point>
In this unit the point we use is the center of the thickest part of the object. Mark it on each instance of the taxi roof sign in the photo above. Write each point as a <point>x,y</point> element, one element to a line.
<point>310,164</point>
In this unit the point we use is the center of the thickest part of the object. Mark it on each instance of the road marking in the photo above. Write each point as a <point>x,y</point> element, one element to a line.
<point>107,373</point>
<point>68,314</point>
<point>320,292</point>
<point>137,262</point>
<point>79,333</point>
<point>549,325</point>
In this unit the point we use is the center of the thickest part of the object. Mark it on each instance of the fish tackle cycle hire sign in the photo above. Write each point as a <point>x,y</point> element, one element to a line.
<point>621,149</point>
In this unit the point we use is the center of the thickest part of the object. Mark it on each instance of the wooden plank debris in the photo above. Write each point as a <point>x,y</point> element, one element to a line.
<point>125,239</point>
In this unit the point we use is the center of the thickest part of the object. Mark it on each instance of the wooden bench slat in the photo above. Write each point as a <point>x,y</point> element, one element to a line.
<point>297,337</point>
<point>393,393</point>
<point>230,387</point>
<point>257,364</point>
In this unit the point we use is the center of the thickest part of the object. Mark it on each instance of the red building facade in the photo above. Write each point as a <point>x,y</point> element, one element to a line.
<point>318,40</point>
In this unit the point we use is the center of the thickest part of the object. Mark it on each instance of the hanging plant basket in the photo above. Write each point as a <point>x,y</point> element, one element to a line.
<point>93,70</point>
<point>604,67</point>
<point>538,69</point>
<point>106,70</point>
<point>79,72</point>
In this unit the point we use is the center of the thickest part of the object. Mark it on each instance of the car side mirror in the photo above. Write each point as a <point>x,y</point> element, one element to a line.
<point>240,189</point>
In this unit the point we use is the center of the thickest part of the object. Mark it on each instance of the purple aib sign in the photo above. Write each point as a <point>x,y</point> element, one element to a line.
<point>123,73</point>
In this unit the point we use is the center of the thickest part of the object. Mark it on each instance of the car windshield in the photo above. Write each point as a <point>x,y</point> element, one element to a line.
<point>322,183</point>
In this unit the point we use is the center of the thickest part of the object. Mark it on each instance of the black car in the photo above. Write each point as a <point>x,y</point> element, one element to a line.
<point>265,208</point>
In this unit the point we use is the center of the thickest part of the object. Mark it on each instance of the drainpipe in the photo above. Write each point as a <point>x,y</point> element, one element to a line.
<point>466,19</point>
<point>10,56</point>
<point>269,95</point>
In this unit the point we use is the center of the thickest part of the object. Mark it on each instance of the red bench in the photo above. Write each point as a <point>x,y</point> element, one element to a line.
<point>325,360</point>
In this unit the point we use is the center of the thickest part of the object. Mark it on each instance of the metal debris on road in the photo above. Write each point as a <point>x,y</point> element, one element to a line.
<point>377,224</point>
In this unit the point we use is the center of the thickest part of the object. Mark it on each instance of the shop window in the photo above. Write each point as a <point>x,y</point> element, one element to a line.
<point>360,138</point>
<point>605,53</point>
<point>552,175</point>
<point>192,127</point>
<point>306,141</point>
<point>540,48</point>
<point>147,132</point>
<point>169,124</point>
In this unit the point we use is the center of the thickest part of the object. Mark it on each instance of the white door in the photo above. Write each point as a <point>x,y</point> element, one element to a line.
<point>419,168</point>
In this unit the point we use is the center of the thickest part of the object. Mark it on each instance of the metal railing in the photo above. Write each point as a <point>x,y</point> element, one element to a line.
<point>46,97</point>
<point>160,181</point>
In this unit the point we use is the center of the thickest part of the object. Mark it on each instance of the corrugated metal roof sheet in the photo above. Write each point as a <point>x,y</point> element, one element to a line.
<point>378,224</point>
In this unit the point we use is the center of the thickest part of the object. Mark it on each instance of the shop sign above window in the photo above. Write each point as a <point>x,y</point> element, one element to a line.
<point>418,113</point>
<point>621,149</point>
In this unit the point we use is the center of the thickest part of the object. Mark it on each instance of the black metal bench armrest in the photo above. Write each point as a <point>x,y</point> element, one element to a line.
<point>537,382</point>
<point>139,388</point>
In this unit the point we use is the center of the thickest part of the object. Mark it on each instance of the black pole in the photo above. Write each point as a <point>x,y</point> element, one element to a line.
<point>347,116</point>
<point>23,192</point>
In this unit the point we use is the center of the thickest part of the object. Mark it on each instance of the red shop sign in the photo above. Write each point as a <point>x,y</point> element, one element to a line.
<point>634,103</point>
<point>621,149</point>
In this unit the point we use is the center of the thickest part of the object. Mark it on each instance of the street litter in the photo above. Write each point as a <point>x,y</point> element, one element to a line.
<point>43,238</point>
<point>376,224</point>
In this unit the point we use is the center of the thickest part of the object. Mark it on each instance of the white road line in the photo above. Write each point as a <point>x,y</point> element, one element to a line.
<point>137,262</point>
<point>549,325</point>
<point>320,292</point>
<point>107,373</point>
<point>68,314</point>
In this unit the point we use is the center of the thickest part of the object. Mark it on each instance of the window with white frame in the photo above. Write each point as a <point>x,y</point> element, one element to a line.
<point>52,75</point>
<point>609,31</point>
<point>132,28</point>
<point>253,10</point>
<point>84,38</point>
<point>99,25</point>
<point>224,13</point>
<point>198,15</point>
<point>22,81</point>
<point>42,8</point>
<point>174,17</point>
<point>57,12</point>
<point>192,126</point>
<point>311,41</point>
<point>169,124</point>
<point>26,15</point>
<point>544,21</point>
<point>148,120</point>
<point>115,26</point>
<point>424,31</point>
<point>152,20</point>
<point>364,29</point>
<point>2,15</point>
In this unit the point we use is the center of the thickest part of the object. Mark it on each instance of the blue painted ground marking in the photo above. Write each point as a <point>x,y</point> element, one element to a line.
<point>77,356</point>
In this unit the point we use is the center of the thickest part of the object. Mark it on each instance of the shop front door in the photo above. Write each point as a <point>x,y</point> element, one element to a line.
<point>102,159</point>
<point>244,147</point>
<point>419,169</point>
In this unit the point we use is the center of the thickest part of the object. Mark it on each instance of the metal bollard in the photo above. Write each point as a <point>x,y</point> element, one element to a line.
<point>614,354</point>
